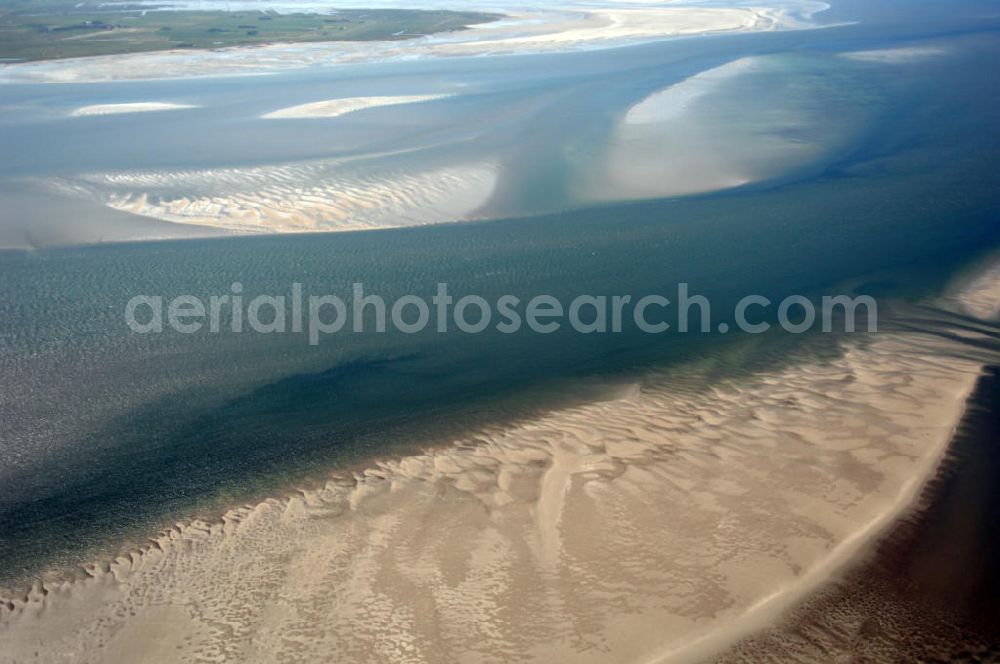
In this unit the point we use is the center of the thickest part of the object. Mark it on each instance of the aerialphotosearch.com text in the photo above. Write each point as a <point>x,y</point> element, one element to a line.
<point>318,316</point>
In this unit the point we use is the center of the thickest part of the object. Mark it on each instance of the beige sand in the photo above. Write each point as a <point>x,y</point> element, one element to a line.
<point>335,107</point>
<point>589,26</point>
<point>138,107</point>
<point>676,100</point>
<point>299,197</point>
<point>673,142</point>
<point>661,523</point>
<point>574,25</point>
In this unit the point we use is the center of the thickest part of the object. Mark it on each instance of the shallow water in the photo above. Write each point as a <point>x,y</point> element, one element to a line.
<point>532,134</point>
<point>107,434</point>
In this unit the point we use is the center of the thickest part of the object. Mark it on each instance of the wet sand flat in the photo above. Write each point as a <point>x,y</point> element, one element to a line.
<point>651,525</point>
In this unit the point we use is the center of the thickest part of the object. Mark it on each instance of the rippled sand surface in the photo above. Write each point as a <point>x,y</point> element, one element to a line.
<point>669,519</point>
<point>724,127</point>
<point>543,28</point>
<point>319,196</point>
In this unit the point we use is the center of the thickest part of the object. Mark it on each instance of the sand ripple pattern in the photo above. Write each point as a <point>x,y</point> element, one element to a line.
<point>624,530</point>
<point>297,197</point>
<point>569,25</point>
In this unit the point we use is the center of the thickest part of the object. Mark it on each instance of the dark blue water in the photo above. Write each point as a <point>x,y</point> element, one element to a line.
<point>106,433</point>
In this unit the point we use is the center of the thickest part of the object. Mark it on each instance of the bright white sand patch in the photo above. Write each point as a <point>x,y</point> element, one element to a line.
<point>663,147</point>
<point>676,100</point>
<point>661,522</point>
<point>749,120</point>
<point>604,25</point>
<point>334,107</point>
<point>566,26</point>
<point>138,107</point>
<point>898,55</point>
<point>296,198</point>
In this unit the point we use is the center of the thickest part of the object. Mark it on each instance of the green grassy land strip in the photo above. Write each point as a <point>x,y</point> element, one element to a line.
<point>50,29</point>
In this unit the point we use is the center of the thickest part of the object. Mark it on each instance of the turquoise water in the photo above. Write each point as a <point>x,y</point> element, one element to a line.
<point>106,433</point>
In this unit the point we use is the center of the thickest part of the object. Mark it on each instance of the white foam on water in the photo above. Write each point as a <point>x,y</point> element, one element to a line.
<point>902,55</point>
